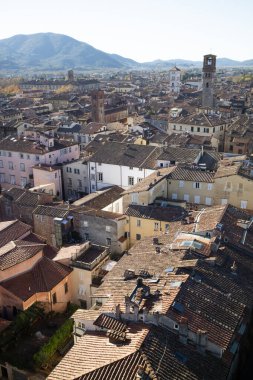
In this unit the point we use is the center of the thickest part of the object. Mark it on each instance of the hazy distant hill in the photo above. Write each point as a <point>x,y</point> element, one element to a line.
<point>55,51</point>
<point>221,62</point>
<point>49,51</point>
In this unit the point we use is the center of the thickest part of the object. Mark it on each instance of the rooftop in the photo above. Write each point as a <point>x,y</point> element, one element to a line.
<point>43,277</point>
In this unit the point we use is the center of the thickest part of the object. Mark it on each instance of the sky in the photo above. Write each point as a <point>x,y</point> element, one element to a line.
<point>144,30</point>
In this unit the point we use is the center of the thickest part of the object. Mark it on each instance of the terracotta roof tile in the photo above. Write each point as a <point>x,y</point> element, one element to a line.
<point>43,277</point>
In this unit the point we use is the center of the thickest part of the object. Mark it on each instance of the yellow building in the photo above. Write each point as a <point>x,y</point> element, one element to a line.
<point>191,185</point>
<point>230,184</point>
<point>233,185</point>
<point>148,189</point>
<point>146,221</point>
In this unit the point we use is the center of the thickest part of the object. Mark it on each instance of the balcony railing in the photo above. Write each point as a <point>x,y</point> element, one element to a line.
<point>89,266</point>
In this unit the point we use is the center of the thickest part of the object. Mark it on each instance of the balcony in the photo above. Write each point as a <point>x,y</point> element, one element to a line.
<point>92,257</point>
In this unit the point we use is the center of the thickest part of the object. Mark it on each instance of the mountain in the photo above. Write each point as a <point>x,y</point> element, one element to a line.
<point>221,62</point>
<point>52,51</point>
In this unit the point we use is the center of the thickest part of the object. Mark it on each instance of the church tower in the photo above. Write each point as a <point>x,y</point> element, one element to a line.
<point>97,105</point>
<point>209,70</point>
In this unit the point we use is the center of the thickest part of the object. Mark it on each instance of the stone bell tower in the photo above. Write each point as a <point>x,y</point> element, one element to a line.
<point>209,70</point>
<point>97,106</point>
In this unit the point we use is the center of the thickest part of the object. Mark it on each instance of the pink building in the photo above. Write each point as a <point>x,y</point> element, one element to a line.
<point>18,156</point>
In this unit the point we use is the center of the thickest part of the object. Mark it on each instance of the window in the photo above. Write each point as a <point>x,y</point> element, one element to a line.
<point>2,179</point>
<point>192,129</point>
<point>9,154</point>
<point>23,181</point>
<point>240,186</point>
<point>208,201</point>
<point>76,171</point>
<point>10,165</point>
<point>130,167</point>
<point>138,236</point>
<point>244,204</point>
<point>130,181</point>
<point>100,176</point>
<point>138,222</point>
<point>1,164</point>
<point>139,179</point>
<point>156,226</point>
<point>197,199</point>
<point>21,155</point>
<point>28,156</point>
<point>134,198</point>
<point>55,175</point>
<point>174,196</point>
<point>83,304</point>
<point>69,181</point>
<point>37,158</point>
<point>54,298</point>
<point>176,326</point>
<point>69,170</point>
<point>22,167</point>
<point>86,236</point>
<point>79,184</point>
<point>228,186</point>
<point>108,228</point>
<point>181,183</point>
<point>209,186</point>
<point>206,130</point>
<point>186,197</point>
<point>12,179</point>
<point>140,169</point>
<point>196,185</point>
<point>108,241</point>
<point>66,288</point>
<point>198,129</point>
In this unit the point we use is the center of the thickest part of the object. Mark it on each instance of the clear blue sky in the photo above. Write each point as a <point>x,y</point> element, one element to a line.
<point>143,30</point>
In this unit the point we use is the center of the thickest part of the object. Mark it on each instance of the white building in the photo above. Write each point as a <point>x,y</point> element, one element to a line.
<point>175,80</point>
<point>121,164</point>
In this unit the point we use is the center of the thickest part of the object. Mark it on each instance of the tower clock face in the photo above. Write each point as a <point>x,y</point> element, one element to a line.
<point>209,61</point>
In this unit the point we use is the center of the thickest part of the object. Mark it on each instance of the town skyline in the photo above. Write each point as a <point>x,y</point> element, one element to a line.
<point>144,31</point>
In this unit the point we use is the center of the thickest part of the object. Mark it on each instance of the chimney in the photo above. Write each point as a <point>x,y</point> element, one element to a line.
<point>201,340</point>
<point>183,330</point>
<point>117,311</point>
<point>158,250</point>
<point>127,304</point>
<point>155,240</point>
